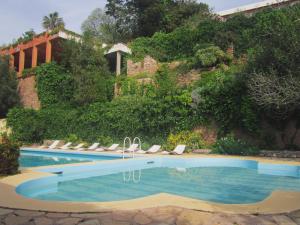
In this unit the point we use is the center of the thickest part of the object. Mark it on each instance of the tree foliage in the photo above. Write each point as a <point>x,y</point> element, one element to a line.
<point>145,17</point>
<point>85,60</point>
<point>8,87</point>
<point>53,21</point>
<point>9,157</point>
<point>27,36</point>
<point>102,26</point>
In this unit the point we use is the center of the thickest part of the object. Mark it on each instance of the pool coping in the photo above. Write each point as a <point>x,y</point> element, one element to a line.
<point>277,202</point>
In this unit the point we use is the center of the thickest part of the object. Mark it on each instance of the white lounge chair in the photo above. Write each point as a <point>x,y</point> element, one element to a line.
<point>66,146</point>
<point>113,147</point>
<point>54,144</point>
<point>91,148</point>
<point>131,148</point>
<point>177,151</point>
<point>79,146</point>
<point>152,150</point>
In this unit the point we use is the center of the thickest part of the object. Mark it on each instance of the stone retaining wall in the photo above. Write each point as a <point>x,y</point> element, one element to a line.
<point>148,65</point>
<point>280,154</point>
<point>28,93</point>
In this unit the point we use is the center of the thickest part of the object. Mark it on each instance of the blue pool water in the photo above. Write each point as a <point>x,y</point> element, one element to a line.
<point>44,158</point>
<point>218,180</point>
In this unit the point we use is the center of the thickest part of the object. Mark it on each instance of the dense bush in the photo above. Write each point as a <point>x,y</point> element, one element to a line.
<point>124,116</point>
<point>93,82</point>
<point>54,85</point>
<point>165,46</point>
<point>189,138</point>
<point>211,56</point>
<point>222,97</point>
<point>8,87</point>
<point>9,157</point>
<point>233,146</point>
<point>26,124</point>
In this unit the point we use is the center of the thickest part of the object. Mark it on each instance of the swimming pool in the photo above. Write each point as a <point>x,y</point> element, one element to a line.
<point>221,180</point>
<point>34,158</point>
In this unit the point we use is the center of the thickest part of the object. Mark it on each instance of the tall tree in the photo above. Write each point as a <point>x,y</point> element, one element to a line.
<point>87,64</point>
<point>53,21</point>
<point>8,87</point>
<point>145,17</point>
<point>101,25</point>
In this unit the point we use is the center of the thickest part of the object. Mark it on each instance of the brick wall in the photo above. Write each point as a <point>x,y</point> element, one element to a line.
<point>28,94</point>
<point>148,65</point>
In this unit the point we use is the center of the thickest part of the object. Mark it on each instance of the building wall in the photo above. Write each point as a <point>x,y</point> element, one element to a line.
<point>28,94</point>
<point>148,65</point>
<point>251,12</point>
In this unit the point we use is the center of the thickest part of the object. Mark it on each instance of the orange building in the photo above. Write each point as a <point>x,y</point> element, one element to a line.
<point>43,48</point>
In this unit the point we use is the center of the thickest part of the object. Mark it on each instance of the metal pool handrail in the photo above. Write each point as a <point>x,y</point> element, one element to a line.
<point>139,144</point>
<point>124,145</point>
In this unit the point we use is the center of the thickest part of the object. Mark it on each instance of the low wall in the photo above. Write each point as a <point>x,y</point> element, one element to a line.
<point>148,65</point>
<point>280,154</point>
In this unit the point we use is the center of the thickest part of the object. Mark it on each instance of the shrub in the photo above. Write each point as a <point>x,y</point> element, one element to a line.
<point>221,97</point>
<point>9,157</point>
<point>124,116</point>
<point>105,140</point>
<point>73,138</point>
<point>230,145</point>
<point>191,139</point>
<point>9,97</point>
<point>165,47</point>
<point>211,56</point>
<point>26,125</point>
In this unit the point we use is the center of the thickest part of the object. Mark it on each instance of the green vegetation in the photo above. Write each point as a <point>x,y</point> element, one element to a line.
<point>230,145</point>
<point>8,87</point>
<point>191,139</point>
<point>9,156</point>
<point>102,26</point>
<point>136,18</point>
<point>53,21</point>
<point>54,85</point>
<point>85,61</point>
<point>252,92</point>
<point>211,56</point>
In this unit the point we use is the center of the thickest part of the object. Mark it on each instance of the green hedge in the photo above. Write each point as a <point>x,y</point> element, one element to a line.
<point>9,156</point>
<point>230,145</point>
<point>124,116</point>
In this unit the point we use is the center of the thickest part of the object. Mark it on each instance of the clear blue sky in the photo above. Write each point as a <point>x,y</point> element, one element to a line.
<point>17,16</point>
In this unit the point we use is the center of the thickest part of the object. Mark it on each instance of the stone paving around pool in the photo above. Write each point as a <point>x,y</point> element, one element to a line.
<point>153,216</point>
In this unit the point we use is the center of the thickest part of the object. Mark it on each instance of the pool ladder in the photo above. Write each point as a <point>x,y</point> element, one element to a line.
<point>131,174</point>
<point>127,140</point>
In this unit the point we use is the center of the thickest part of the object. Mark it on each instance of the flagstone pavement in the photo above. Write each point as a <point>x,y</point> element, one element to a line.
<point>153,216</point>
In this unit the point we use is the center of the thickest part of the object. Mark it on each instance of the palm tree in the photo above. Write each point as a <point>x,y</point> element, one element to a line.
<point>53,21</point>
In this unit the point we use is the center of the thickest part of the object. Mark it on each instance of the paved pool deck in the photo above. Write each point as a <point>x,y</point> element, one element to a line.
<point>281,208</point>
<point>152,216</point>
